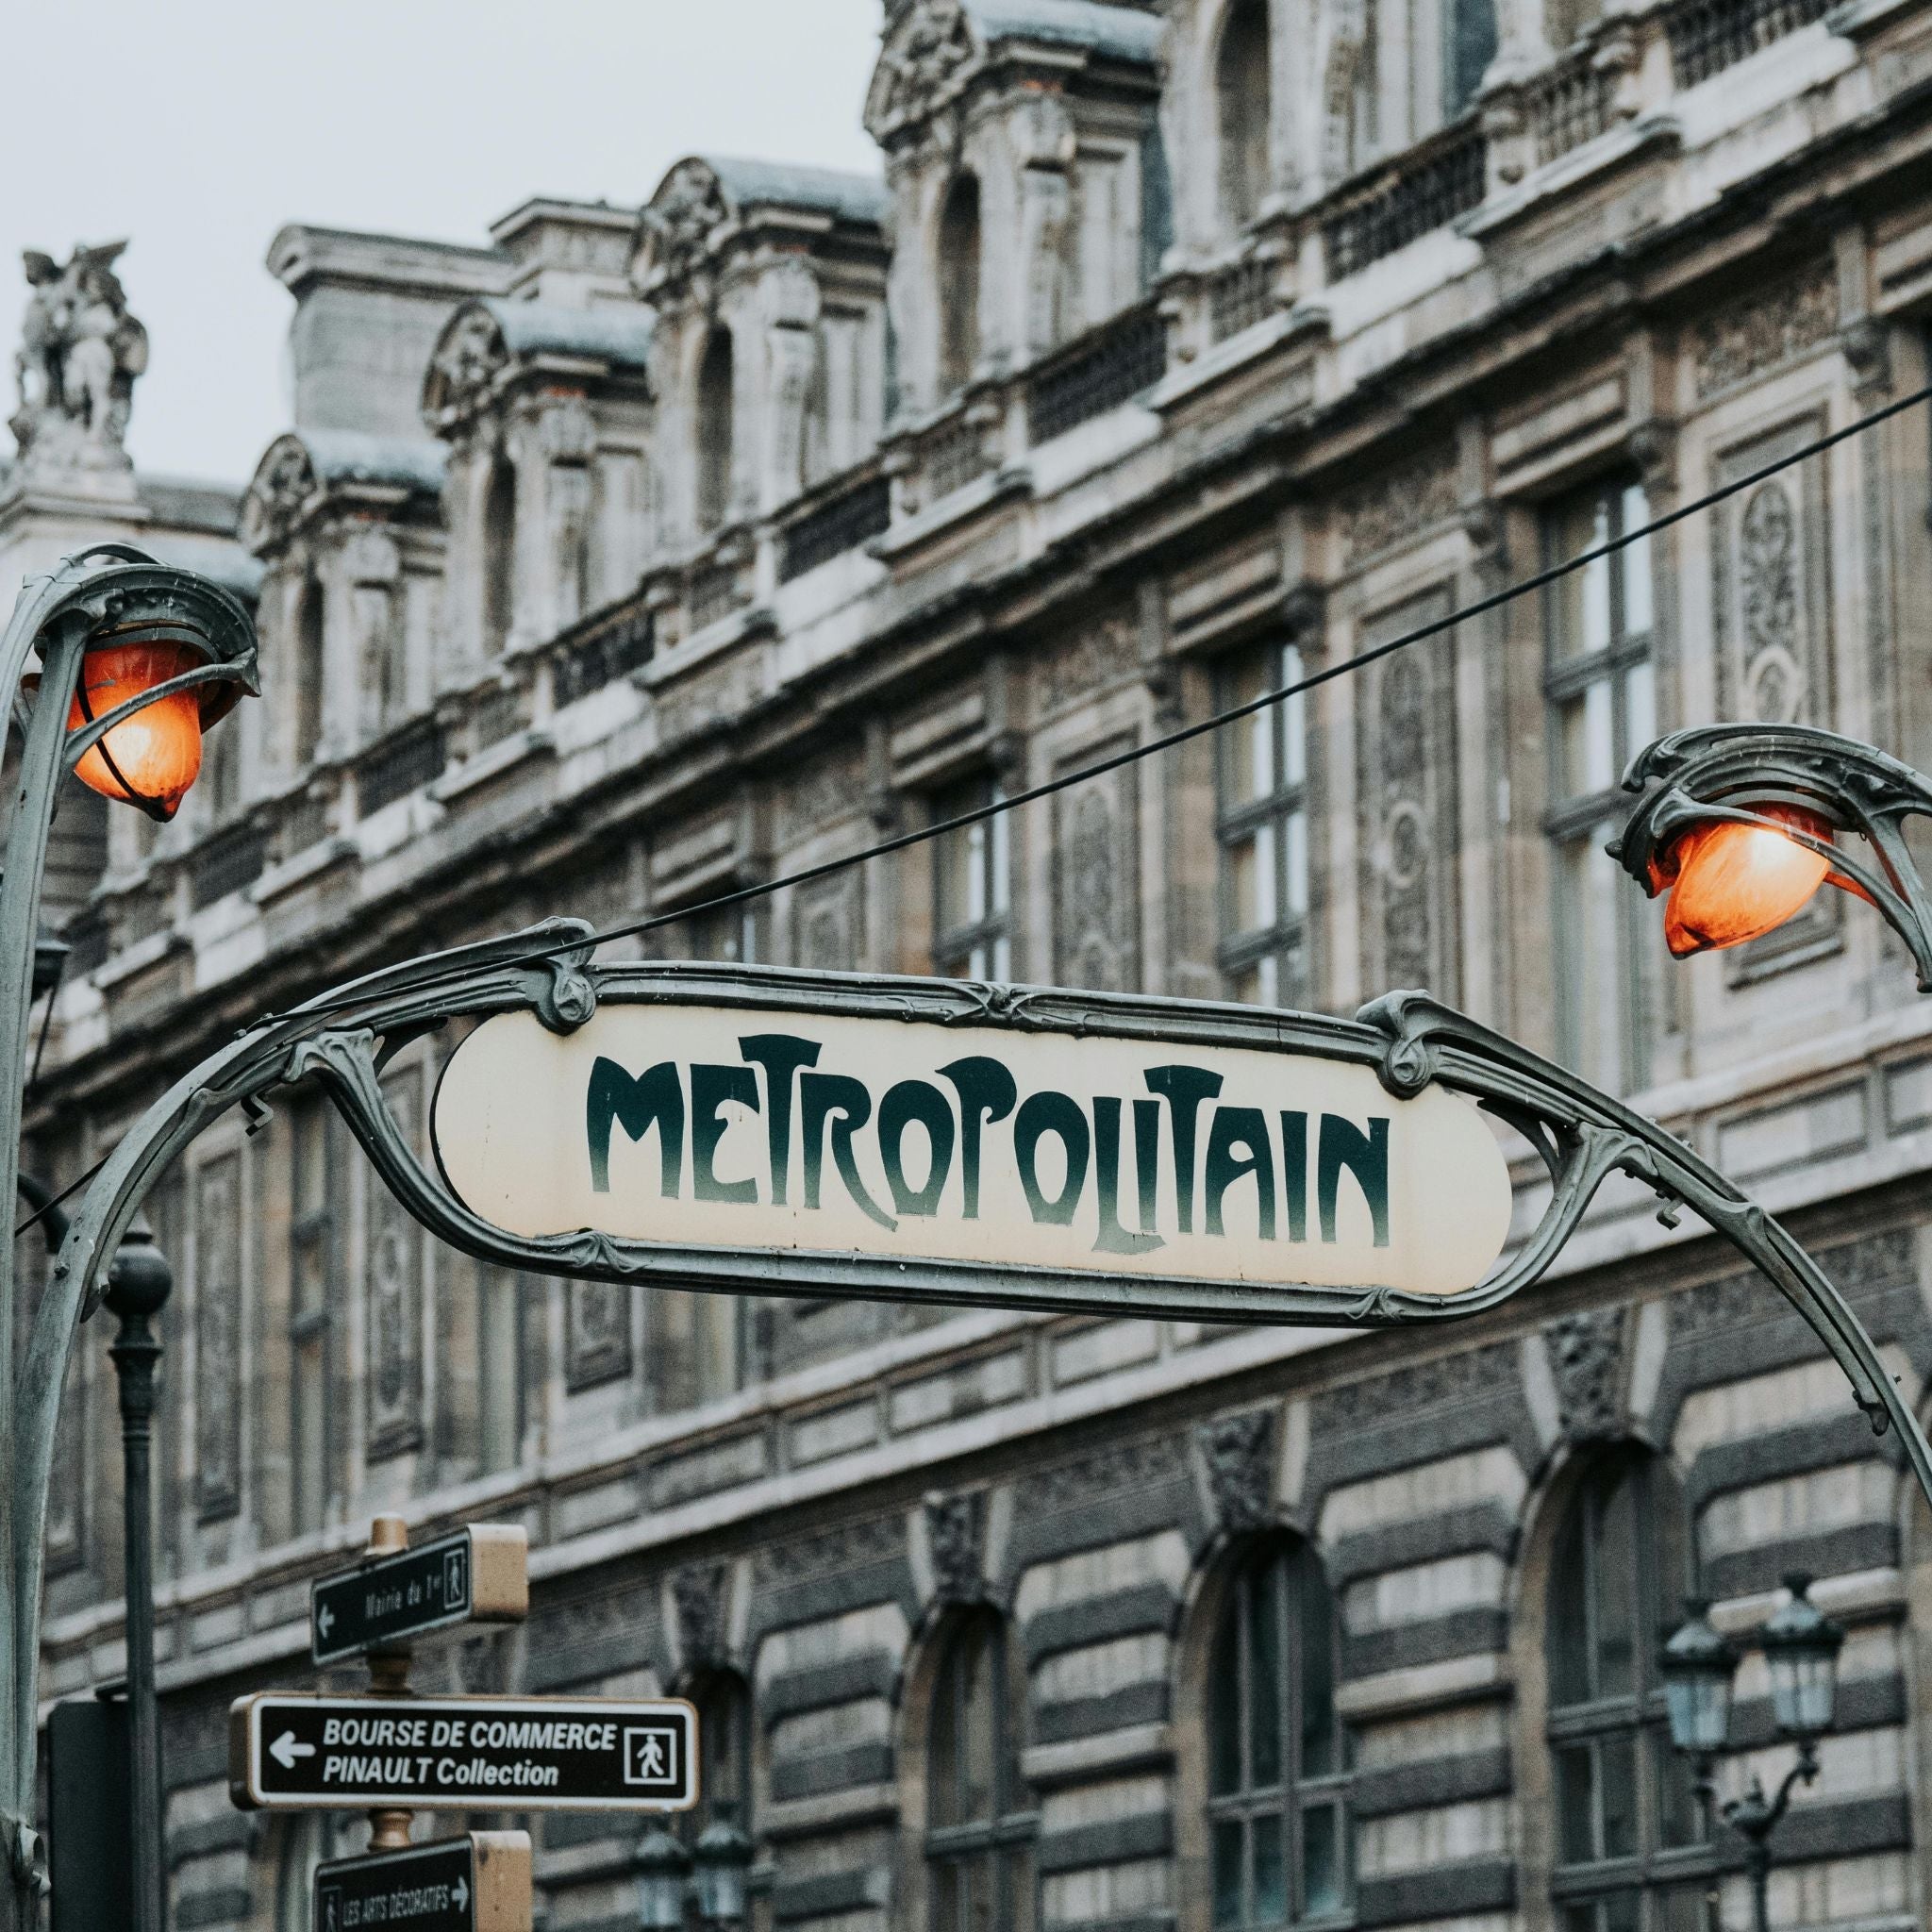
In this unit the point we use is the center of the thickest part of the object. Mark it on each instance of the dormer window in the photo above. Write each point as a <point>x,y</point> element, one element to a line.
<point>715,429</point>
<point>958,280</point>
<point>1242,89</point>
<point>499,557</point>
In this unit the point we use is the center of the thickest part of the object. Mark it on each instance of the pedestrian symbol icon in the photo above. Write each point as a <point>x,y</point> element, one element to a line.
<point>650,1754</point>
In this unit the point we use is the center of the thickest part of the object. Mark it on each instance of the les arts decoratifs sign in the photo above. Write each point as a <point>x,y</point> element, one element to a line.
<point>794,1138</point>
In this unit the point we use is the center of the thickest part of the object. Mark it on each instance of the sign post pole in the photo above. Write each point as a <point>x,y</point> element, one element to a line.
<point>389,1752</point>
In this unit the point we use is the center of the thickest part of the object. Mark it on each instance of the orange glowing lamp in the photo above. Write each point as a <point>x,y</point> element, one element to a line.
<point>1730,883</point>
<point>153,756</point>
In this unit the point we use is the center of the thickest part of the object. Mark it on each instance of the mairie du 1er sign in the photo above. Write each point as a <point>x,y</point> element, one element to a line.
<point>770,1128</point>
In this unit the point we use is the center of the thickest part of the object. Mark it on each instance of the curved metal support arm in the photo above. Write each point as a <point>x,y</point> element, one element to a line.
<point>1734,772</point>
<point>341,1037</point>
<point>1427,1040</point>
<point>83,739</point>
<point>494,975</point>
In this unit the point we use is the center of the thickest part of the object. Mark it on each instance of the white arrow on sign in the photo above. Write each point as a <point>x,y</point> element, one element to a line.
<point>324,1620</point>
<point>460,1893</point>
<point>285,1751</point>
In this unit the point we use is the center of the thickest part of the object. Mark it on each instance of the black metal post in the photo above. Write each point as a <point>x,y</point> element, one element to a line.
<point>139,1284</point>
<point>1755,1817</point>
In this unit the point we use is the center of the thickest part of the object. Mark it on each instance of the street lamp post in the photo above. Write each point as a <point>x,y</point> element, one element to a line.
<point>139,1284</point>
<point>1801,1647</point>
<point>709,1875</point>
<point>135,659</point>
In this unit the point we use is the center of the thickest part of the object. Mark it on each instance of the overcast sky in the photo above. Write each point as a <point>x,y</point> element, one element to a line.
<point>197,129</point>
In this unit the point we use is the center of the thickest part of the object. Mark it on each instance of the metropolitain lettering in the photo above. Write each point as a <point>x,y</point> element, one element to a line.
<point>1178,1158</point>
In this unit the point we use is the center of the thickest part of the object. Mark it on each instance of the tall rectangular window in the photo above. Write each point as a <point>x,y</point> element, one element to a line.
<point>1600,690</point>
<point>971,916</point>
<point>1263,826</point>
<point>312,1284</point>
<point>727,934</point>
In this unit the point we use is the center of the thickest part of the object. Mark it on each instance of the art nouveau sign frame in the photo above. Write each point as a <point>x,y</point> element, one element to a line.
<point>1403,1057</point>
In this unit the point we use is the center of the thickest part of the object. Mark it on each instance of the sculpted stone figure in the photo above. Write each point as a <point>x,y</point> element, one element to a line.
<point>80,351</point>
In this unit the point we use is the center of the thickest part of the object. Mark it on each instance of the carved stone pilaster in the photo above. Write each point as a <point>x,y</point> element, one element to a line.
<point>956,1535</point>
<point>1587,1353</point>
<point>698,1595</point>
<point>1237,1452</point>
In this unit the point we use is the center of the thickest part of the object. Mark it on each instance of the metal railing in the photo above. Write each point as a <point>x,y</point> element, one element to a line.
<point>1707,36</point>
<point>1108,367</point>
<point>1567,105</point>
<point>955,456</point>
<point>611,645</point>
<point>403,763</point>
<point>714,593</point>
<point>1240,295</point>
<point>1422,190</point>
<point>225,862</point>
<point>829,529</point>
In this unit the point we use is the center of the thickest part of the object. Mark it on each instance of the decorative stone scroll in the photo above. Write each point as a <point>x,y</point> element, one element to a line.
<point>1237,1452</point>
<point>956,1535</point>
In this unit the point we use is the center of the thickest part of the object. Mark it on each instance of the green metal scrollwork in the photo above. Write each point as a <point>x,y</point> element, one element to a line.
<point>343,1039</point>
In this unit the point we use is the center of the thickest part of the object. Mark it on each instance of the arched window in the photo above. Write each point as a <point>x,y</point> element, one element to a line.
<point>1277,1758</point>
<point>1469,32</point>
<point>723,1708</point>
<point>979,1829</point>
<point>1618,1571</point>
<point>499,557</point>
<point>310,662</point>
<point>1242,76</point>
<point>715,430</point>
<point>959,266</point>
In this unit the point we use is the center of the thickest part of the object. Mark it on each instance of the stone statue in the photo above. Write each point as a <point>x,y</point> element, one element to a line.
<point>80,351</point>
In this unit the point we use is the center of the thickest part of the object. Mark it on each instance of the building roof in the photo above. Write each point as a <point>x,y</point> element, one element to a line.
<point>192,501</point>
<point>612,332</point>
<point>353,456</point>
<point>851,197</point>
<point>1125,32</point>
<point>221,558</point>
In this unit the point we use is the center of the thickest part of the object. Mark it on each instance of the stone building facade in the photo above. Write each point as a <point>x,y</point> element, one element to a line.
<point>644,552</point>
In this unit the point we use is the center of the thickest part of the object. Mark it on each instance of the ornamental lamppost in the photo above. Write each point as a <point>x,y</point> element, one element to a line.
<point>711,1876</point>
<point>1801,1647</point>
<point>116,664</point>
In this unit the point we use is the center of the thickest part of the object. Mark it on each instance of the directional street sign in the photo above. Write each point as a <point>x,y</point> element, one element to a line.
<point>477,1883</point>
<point>287,1750</point>
<point>477,1574</point>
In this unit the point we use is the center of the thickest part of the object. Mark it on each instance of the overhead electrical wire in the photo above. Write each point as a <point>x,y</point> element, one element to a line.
<point>1184,734</point>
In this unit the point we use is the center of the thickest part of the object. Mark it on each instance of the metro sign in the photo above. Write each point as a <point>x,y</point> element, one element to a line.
<point>785,1133</point>
<point>289,1750</point>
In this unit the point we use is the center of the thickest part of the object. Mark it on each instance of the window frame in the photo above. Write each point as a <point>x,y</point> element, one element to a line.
<point>1572,818</point>
<point>978,948</point>
<point>1002,1839</point>
<point>1240,200</point>
<point>1295,1792</point>
<point>315,1242</point>
<point>1240,819</point>
<point>1655,1868</point>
